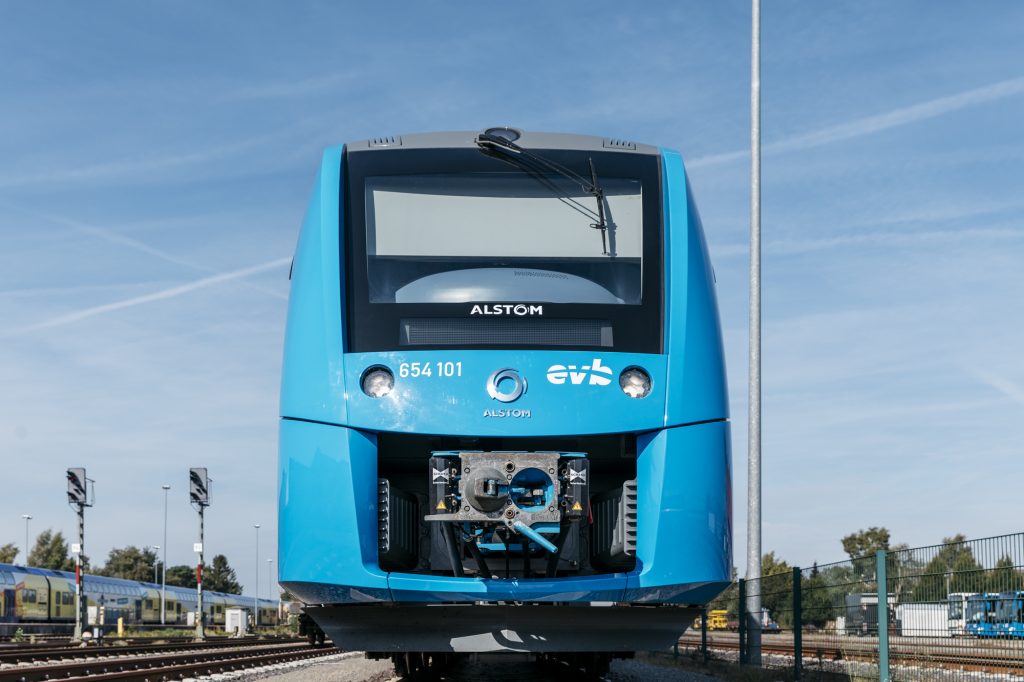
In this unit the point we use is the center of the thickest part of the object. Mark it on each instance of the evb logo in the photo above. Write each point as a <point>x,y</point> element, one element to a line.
<point>594,374</point>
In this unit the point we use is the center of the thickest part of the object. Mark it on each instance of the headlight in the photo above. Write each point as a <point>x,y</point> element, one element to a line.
<point>635,382</point>
<point>377,381</point>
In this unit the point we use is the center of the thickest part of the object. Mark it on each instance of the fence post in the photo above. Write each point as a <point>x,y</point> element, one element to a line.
<point>743,620</point>
<point>883,616</point>
<point>798,626</point>
<point>704,633</point>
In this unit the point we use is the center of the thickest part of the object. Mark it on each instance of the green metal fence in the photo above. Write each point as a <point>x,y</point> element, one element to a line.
<point>953,612</point>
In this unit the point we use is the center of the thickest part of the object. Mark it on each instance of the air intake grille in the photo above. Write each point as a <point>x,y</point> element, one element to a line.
<point>460,331</point>
<point>386,141</point>
<point>615,527</point>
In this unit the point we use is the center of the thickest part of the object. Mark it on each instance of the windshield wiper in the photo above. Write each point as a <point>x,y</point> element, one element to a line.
<point>535,166</point>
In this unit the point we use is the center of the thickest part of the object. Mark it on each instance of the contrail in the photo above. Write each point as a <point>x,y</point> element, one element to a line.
<point>155,296</point>
<point>121,240</point>
<point>1008,388</point>
<point>873,124</point>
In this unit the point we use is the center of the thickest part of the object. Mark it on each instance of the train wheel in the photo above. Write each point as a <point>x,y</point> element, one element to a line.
<point>596,666</point>
<point>401,668</point>
<point>320,638</point>
<point>311,638</point>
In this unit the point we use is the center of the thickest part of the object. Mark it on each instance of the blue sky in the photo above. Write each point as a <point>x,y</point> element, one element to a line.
<point>157,158</point>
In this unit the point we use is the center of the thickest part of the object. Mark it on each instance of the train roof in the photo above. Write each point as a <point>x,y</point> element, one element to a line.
<point>531,140</point>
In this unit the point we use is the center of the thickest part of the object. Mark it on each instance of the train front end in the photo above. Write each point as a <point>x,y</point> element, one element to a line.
<point>504,416</point>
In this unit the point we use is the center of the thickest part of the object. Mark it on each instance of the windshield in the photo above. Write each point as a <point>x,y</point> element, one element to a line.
<point>493,237</point>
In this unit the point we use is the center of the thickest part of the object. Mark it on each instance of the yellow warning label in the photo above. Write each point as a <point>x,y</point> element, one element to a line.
<point>576,506</point>
<point>440,505</point>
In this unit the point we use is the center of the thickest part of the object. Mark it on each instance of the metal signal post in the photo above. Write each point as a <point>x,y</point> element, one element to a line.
<point>199,496</point>
<point>79,498</point>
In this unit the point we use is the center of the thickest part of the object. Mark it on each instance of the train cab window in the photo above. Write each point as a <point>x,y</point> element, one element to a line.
<point>540,242</point>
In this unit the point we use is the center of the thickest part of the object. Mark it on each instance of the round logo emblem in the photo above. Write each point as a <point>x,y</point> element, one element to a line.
<point>514,385</point>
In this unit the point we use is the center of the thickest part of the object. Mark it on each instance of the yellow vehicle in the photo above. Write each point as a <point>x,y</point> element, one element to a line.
<point>717,620</point>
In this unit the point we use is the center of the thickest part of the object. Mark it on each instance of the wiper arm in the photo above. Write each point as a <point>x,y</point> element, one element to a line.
<point>527,161</point>
<point>599,195</point>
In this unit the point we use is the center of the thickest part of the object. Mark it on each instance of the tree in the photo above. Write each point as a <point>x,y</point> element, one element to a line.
<point>968,574</point>
<point>771,564</point>
<point>50,551</point>
<point>8,552</point>
<point>952,569</point>
<point>221,577</point>
<point>130,563</point>
<point>865,543</point>
<point>776,588</point>
<point>182,576</point>
<point>1005,577</point>
<point>817,598</point>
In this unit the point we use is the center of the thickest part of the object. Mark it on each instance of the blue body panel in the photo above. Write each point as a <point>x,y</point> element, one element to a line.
<point>693,337</point>
<point>328,458</point>
<point>312,380</point>
<point>683,480</point>
<point>328,514</point>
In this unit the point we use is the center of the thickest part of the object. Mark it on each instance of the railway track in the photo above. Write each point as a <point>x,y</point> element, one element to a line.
<point>956,655</point>
<point>37,653</point>
<point>153,665</point>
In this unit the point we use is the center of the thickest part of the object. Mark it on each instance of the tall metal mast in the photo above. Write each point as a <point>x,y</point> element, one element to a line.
<point>754,387</point>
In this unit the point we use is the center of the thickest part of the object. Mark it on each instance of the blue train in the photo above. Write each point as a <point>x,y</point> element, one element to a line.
<point>504,412</point>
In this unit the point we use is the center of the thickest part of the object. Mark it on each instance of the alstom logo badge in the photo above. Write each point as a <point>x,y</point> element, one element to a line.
<point>595,374</point>
<point>517,309</point>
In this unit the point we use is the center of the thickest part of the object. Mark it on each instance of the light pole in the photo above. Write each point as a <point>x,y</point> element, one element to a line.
<point>163,566</point>
<point>156,562</point>
<point>27,517</point>
<point>256,599</point>
<point>754,379</point>
<point>270,578</point>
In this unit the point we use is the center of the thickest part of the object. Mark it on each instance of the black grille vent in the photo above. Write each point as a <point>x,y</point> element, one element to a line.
<point>615,527</point>
<point>461,331</point>
<point>387,141</point>
<point>611,143</point>
<point>397,527</point>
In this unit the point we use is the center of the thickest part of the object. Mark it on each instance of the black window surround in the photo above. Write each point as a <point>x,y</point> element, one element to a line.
<point>378,326</point>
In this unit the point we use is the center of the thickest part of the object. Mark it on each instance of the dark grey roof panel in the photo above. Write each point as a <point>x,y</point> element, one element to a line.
<point>528,139</point>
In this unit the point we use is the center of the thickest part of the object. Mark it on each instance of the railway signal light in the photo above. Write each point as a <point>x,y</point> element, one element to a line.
<point>199,486</point>
<point>76,486</point>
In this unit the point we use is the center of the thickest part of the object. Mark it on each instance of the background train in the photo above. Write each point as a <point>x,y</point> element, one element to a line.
<point>41,597</point>
<point>504,412</point>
